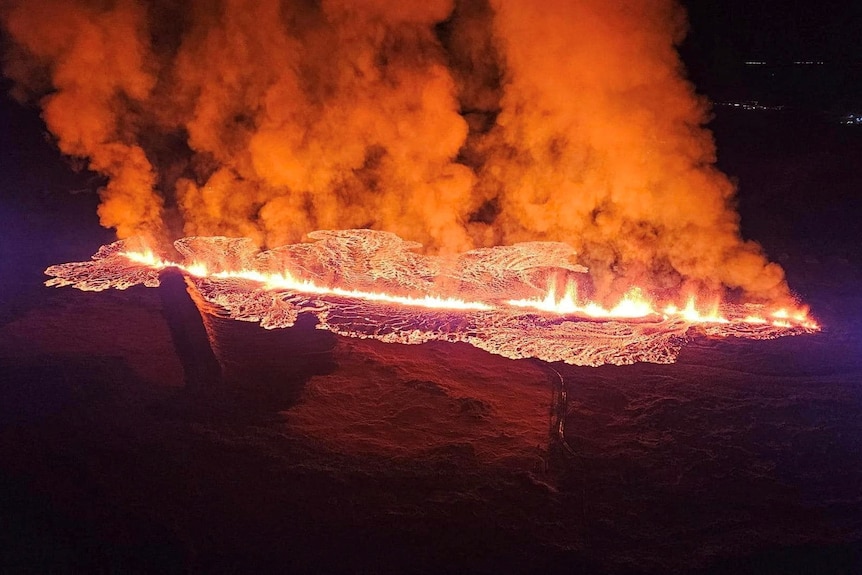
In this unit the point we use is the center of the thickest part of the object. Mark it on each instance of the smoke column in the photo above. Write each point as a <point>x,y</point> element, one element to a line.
<point>455,124</point>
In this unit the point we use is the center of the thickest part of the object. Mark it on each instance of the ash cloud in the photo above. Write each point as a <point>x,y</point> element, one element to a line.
<point>456,124</point>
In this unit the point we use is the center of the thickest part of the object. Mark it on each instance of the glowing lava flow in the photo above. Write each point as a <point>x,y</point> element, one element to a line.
<point>286,281</point>
<point>633,305</point>
<point>367,284</point>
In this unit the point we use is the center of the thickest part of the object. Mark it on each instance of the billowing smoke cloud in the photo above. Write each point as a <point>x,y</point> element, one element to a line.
<point>600,142</point>
<point>456,124</point>
<point>100,75</point>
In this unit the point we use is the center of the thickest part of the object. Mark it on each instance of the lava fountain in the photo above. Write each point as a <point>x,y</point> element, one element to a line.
<point>517,301</point>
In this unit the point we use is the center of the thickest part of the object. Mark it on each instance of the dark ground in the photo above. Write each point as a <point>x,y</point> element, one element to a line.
<point>744,457</point>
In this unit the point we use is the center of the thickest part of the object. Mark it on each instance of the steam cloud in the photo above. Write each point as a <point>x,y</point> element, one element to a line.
<point>456,124</point>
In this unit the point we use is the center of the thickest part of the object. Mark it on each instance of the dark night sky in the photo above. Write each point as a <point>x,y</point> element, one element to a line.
<point>775,30</point>
<point>723,35</point>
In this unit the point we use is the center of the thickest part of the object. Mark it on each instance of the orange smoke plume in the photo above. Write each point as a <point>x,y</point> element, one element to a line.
<point>99,70</point>
<point>600,143</point>
<point>455,124</point>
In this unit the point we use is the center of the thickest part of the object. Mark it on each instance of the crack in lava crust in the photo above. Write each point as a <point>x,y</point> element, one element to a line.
<point>240,282</point>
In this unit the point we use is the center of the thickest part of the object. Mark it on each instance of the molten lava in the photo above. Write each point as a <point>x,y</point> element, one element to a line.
<point>286,281</point>
<point>363,283</point>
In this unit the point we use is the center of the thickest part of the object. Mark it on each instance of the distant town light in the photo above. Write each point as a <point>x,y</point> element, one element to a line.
<point>752,105</point>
